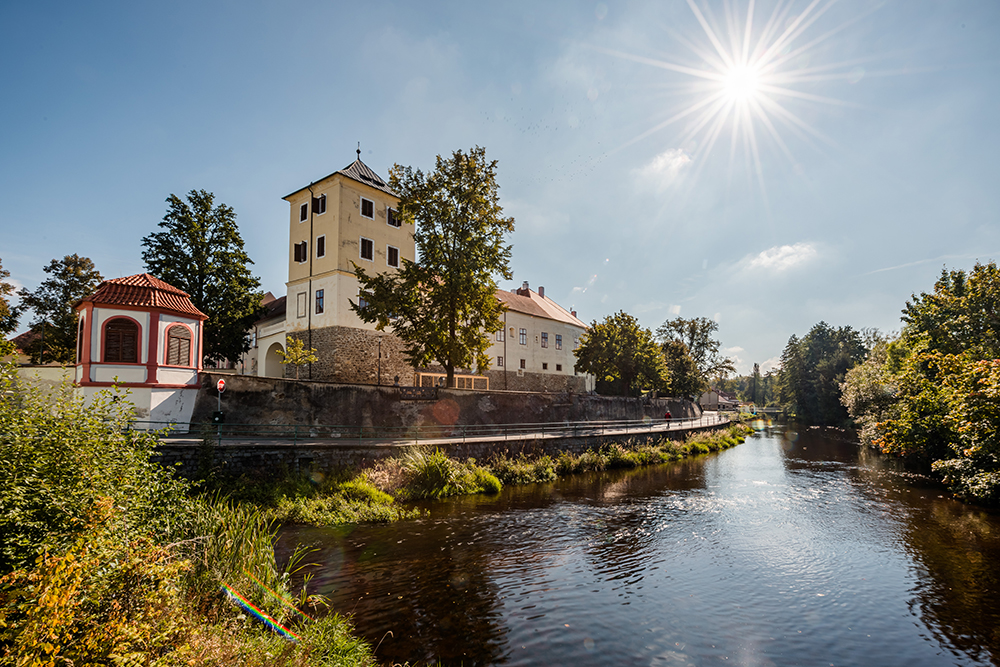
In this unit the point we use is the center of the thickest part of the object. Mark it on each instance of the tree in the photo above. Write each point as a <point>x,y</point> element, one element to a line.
<point>443,307</point>
<point>684,379</point>
<point>696,334</point>
<point>622,355</point>
<point>201,252</point>
<point>8,315</point>
<point>70,279</point>
<point>298,354</point>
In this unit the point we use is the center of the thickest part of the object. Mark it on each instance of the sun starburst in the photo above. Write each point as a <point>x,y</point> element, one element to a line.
<point>748,74</point>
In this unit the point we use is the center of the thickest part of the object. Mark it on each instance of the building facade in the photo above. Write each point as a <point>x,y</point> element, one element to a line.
<point>144,334</point>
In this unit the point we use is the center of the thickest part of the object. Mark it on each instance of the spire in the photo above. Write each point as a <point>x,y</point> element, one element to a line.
<point>359,150</point>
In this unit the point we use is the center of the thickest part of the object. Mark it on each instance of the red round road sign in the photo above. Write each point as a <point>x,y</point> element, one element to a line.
<point>221,386</point>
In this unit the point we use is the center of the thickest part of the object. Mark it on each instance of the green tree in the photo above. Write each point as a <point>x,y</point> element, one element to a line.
<point>684,379</point>
<point>8,315</point>
<point>443,307</point>
<point>298,355</point>
<point>697,334</point>
<point>200,251</point>
<point>622,356</point>
<point>70,279</point>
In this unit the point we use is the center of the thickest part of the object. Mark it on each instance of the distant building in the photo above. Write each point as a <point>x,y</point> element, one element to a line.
<point>716,399</point>
<point>142,333</point>
<point>267,338</point>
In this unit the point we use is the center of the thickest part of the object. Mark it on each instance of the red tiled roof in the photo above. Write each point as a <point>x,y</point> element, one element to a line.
<point>144,291</point>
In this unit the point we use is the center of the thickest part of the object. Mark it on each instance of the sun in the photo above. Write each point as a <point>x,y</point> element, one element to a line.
<point>752,72</point>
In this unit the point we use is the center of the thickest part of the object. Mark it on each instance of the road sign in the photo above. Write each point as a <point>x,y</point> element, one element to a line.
<point>221,386</point>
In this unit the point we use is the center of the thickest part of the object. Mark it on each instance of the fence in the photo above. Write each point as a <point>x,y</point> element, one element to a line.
<point>296,433</point>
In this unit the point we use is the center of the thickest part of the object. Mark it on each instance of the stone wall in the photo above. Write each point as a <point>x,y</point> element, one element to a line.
<point>256,400</point>
<point>351,356</point>
<point>509,380</point>
<point>235,458</point>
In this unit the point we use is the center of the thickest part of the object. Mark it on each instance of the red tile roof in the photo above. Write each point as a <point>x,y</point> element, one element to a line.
<point>144,291</point>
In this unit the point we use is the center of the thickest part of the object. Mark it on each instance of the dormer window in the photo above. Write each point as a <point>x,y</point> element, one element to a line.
<point>367,208</point>
<point>303,212</point>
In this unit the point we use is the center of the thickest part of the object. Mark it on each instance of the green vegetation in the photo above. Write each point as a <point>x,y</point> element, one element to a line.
<point>692,355</point>
<point>933,393</point>
<point>70,279</point>
<point>105,558</point>
<point>298,355</point>
<point>8,316</point>
<point>445,307</point>
<point>523,469</point>
<point>199,250</point>
<point>621,355</point>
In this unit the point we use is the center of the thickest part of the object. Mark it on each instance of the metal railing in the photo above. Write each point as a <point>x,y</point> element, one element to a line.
<point>303,433</point>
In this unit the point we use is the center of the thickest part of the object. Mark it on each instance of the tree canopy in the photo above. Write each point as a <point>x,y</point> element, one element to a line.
<point>443,306</point>
<point>697,335</point>
<point>683,376</point>
<point>622,356</point>
<point>70,279</point>
<point>8,316</point>
<point>200,251</point>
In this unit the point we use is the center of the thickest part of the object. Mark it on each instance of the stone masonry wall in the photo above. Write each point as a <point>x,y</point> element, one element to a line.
<point>351,356</point>
<point>549,382</point>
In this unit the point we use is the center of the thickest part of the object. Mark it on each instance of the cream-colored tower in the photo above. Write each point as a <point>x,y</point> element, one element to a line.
<point>344,219</point>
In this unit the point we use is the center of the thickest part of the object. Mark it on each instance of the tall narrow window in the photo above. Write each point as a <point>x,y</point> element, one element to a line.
<point>300,304</point>
<point>303,212</point>
<point>558,341</point>
<point>319,301</point>
<point>178,346</point>
<point>121,338</point>
<point>392,256</point>
<point>500,336</point>
<point>362,300</point>
<point>523,364</point>
<point>392,218</point>
<point>367,249</point>
<point>523,336</point>
<point>321,246</point>
<point>79,339</point>
<point>367,208</point>
<point>319,205</point>
<point>301,252</point>
<point>545,339</point>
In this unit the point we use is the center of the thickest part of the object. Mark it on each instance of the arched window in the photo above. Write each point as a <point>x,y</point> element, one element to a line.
<point>121,341</point>
<point>81,323</point>
<point>178,346</point>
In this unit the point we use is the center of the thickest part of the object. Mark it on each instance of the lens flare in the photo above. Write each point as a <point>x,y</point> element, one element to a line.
<point>259,614</point>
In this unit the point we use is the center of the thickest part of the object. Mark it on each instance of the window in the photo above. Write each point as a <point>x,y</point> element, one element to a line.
<point>362,300</point>
<point>319,205</point>
<point>301,254</point>
<point>500,336</point>
<point>392,256</point>
<point>321,246</point>
<point>558,341</point>
<point>512,332</point>
<point>300,304</point>
<point>523,364</point>
<point>367,208</point>
<point>121,341</point>
<point>545,366</point>
<point>79,339</point>
<point>391,218</point>
<point>545,339</point>
<point>523,337</point>
<point>367,249</point>
<point>499,362</point>
<point>319,301</point>
<point>178,346</point>
<point>303,212</point>
<point>558,367</point>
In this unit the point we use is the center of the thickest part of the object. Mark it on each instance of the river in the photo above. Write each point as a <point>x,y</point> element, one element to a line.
<point>790,549</point>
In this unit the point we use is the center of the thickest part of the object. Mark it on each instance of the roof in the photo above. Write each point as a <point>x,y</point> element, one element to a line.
<point>273,308</point>
<point>144,291</point>
<point>27,338</point>
<point>360,172</point>
<point>537,306</point>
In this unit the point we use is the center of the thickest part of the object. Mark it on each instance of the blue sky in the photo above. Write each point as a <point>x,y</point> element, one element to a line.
<point>879,167</point>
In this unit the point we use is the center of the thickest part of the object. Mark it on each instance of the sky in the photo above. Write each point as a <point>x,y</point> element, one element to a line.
<point>769,165</point>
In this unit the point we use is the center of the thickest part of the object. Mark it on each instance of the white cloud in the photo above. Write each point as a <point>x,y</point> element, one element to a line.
<point>781,258</point>
<point>675,310</point>
<point>663,170</point>
<point>770,364</point>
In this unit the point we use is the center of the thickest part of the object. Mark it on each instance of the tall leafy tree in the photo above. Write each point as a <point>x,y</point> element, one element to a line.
<point>199,250</point>
<point>8,315</point>
<point>443,305</point>
<point>70,279</point>
<point>684,378</point>
<point>812,369</point>
<point>622,356</point>
<point>698,335</point>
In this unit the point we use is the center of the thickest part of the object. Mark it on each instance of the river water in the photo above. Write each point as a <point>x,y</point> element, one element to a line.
<point>790,549</point>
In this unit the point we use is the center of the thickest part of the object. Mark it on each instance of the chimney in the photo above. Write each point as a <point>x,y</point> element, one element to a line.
<point>541,291</point>
<point>573,313</point>
<point>524,291</point>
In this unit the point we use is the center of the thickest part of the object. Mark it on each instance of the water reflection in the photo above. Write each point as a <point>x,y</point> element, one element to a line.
<point>786,550</point>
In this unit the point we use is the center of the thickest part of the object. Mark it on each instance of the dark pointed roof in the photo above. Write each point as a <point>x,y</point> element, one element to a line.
<point>144,291</point>
<point>360,172</point>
